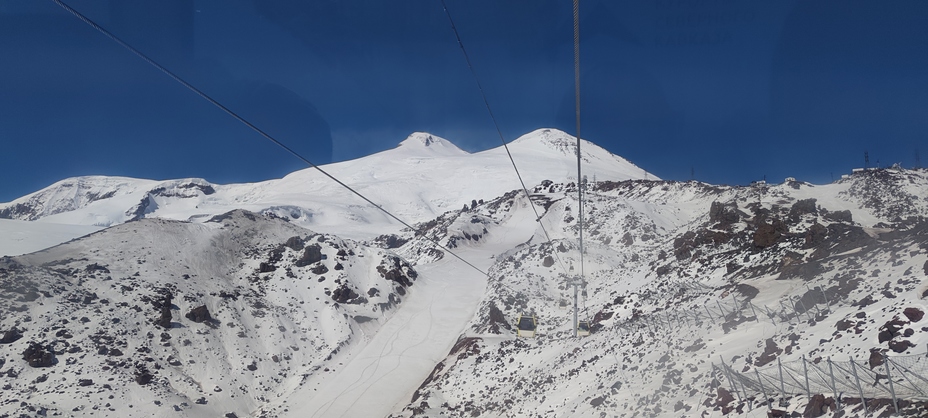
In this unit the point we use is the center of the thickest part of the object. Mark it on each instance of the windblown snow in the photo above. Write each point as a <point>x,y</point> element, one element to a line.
<point>294,298</point>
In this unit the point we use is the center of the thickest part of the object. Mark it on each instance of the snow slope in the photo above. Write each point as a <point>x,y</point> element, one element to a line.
<point>318,324</point>
<point>22,237</point>
<point>418,180</point>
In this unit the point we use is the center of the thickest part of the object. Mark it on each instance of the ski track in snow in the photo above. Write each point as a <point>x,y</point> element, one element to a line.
<point>381,375</point>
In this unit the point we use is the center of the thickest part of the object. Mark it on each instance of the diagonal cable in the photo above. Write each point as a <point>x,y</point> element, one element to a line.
<point>486,103</point>
<point>206,97</point>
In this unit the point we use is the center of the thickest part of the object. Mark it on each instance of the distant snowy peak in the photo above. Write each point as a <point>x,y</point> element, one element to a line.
<point>423,142</point>
<point>109,195</point>
<point>553,141</point>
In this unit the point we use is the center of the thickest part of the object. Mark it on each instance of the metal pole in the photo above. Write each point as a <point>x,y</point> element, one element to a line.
<point>756,319</point>
<point>805,371</point>
<point>731,381</point>
<point>763,390</point>
<point>770,315</point>
<point>782,388</point>
<point>720,308</point>
<point>576,325</point>
<point>804,308</point>
<point>824,295</point>
<point>710,314</point>
<point>904,376</point>
<point>834,387</point>
<point>860,391</point>
<point>890,379</point>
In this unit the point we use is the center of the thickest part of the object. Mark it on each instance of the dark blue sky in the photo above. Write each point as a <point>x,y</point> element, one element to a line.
<point>733,90</point>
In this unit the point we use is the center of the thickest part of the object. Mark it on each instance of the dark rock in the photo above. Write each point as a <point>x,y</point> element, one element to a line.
<point>815,235</point>
<point>266,268</point>
<point>320,269</point>
<point>876,358</point>
<point>164,320</point>
<point>844,325</point>
<point>295,243</point>
<point>11,336</point>
<point>548,261</point>
<point>724,213</point>
<point>746,290</point>
<point>91,268</point>
<point>816,407</point>
<point>900,346</point>
<point>390,241</point>
<point>311,254</point>
<point>38,355</point>
<point>142,375</point>
<point>914,314</point>
<point>199,314</point>
<point>839,216</point>
<point>771,351</point>
<point>768,234</point>
<point>891,329</point>
<point>803,207</point>
<point>343,294</point>
<point>85,382</point>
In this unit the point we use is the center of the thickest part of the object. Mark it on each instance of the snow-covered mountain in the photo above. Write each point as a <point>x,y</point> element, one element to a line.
<point>423,177</point>
<point>212,300</point>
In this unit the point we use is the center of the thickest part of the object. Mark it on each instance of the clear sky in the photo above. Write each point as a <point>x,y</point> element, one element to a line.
<point>727,90</point>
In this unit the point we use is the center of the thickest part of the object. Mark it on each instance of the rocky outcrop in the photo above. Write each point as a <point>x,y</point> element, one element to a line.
<point>38,355</point>
<point>199,314</point>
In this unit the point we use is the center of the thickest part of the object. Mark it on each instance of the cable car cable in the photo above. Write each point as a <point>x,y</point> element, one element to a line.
<point>206,97</point>
<point>486,103</point>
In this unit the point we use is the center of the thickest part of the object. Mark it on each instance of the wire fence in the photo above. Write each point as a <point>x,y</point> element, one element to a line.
<point>880,377</point>
<point>729,311</point>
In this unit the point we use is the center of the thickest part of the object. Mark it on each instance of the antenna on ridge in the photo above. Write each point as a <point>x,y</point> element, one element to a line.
<point>866,160</point>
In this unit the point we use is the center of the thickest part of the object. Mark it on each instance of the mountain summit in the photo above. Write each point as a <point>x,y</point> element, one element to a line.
<point>423,177</point>
<point>434,145</point>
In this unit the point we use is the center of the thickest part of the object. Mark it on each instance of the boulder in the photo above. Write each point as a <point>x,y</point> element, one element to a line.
<point>38,355</point>
<point>199,314</point>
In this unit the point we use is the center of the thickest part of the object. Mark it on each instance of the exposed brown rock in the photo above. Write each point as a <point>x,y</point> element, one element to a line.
<point>914,314</point>
<point>199,314</point>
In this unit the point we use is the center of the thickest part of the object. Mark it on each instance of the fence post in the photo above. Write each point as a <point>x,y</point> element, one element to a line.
<point>782,388</point>
<point>763,390</point>
<point>786,309</point>
<point>808,314</point>
<point>834,388</point>
<point>707,311</point>
<point>805,371</point>
<point>890,379</point>
<point>860,391</point>
<point>720,308</point>
<point>824,295</point>
<point>731,381</point>
<point>756,319</point>
<point>770,315</point>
